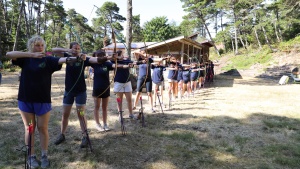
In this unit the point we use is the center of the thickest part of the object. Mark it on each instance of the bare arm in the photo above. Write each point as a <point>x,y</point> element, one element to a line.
<point>17,54</point>
<point>104,59</point>
<point>123,66</point>
<point>60,51</point>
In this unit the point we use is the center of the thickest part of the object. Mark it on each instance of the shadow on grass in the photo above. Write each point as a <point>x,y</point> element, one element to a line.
<point>171,141</point>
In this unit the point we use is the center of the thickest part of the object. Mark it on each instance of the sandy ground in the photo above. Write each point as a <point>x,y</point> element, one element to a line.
<point>231,106</point>
<point>235,96</point>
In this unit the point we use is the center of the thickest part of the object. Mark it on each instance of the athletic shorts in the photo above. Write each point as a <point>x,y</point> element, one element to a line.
<point>101,93</point>
<point>201,73</point>
<point>158,84</point>
<point>141,82</point>
<point>35,108</point>
<point>186,81</point>
<point>122,87</point>
<point>171,80</point>
<point>69,97</point>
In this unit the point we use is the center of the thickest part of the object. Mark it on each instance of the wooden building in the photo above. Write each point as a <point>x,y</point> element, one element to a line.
<point>184,48</point>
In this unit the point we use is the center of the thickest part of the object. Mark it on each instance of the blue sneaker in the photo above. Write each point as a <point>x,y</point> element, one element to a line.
<point>45,162</point>
<point>32,162</point>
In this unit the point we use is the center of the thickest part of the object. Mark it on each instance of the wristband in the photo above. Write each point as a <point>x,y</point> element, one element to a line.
<point>68,60</point>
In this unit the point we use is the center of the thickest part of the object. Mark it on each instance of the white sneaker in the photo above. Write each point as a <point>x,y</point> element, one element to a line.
<point>106,128</point>
<point>99,127</point>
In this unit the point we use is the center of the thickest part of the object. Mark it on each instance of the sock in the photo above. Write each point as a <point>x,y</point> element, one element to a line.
<point>44,153</point>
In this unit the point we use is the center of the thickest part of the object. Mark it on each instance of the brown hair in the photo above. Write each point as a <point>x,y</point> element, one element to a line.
<point>73,43</point>
<point>99,53</point>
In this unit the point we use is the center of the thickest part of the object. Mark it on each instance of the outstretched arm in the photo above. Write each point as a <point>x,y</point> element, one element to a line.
<point>60,51</point>
<point>17,54</point>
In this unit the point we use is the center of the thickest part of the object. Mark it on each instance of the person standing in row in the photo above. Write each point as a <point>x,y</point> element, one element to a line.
<point>34,96</point>
<point>144,78</point>
<point>194,77</point>
<point>101,87</point>
<point>172,76</point>
<point>75,90</point>
<point>122,84</point>
<point>186,80</point>
<point>158,80</point>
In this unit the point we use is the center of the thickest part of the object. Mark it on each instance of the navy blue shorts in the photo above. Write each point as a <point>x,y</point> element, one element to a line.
<point>101,93</point>
<point>35,108</point>
<point>80,98</point>
<point>141,82</point>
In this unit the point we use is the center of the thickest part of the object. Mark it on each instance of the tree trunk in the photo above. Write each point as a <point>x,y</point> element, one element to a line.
<point>45,16</point>
<point>129,28</point>
<point>240,37</point>
<point>38,19</point>
<point>256,35</point>
<point>26,21</point>
<point>232,44</point>
<point>207,30</point>
<point>18,26</point>
<point>276,33</point>
<point>235,34</point>
<point>4,14</point>
<point>267,40</point>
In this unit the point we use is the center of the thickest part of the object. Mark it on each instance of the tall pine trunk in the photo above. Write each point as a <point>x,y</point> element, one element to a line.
<point>256,36</point>
<point>129,28</point>
<point>207,30</point>
<point>267,40</point>
<point>18,26</point>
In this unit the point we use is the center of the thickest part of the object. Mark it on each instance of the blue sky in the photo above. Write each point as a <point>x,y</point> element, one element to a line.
<point>147,9</point>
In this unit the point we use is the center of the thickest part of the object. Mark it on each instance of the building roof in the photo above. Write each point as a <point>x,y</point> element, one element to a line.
<point>173,46</point>
<point>134,45</point>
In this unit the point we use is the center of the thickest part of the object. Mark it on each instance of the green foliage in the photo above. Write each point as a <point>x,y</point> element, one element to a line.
<point>289,45</point>
<point>245,61</point>
<point>158,29</point>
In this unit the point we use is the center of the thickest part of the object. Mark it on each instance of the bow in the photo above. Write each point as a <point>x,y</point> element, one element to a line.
<point>27,150</point>
<point>82,64</point>
<point>114,52</point>
<point>141,113</point>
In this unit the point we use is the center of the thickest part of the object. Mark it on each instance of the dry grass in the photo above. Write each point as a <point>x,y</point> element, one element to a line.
<point>233,123</point>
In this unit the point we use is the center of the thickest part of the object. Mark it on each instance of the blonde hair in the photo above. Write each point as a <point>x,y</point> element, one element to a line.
<point>32,41</point>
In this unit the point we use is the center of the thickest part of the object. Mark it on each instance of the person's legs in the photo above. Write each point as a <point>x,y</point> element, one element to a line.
<point>30,118</point>
<point>81,116</point>
<point>189,88</point>
<point>27,119</point>
<point>104,110</point>
<point>155,93</point>
<point>180,87</point>
<point>136,99</point>
<point>128,96</point>
<point>97,102</point>
<point>120,95</point>
<point>161,93</point>
<point>65,118</point>
<point>42,126</point>
<point>183,89</point>
<point>151,100</point>
<point>170,89</point>
<point>175,89</point>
